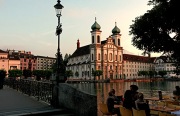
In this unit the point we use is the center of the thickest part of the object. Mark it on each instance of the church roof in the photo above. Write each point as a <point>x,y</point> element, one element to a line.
<point>81,51</point>
<point>116,30</point>
<point>1,51</point>
<point>136,58</point>
<point>95,26</point>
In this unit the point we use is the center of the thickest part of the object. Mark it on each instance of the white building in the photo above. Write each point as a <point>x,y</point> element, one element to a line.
<point>165,63</point>
<point>105,55</point>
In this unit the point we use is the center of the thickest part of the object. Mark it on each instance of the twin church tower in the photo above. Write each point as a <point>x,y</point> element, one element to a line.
<point>105,55</point>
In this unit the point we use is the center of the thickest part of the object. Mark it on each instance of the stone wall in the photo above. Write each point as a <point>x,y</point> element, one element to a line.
<point>80,103</point>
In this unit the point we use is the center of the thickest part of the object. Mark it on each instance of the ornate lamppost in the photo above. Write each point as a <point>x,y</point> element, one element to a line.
<point>60,67</point>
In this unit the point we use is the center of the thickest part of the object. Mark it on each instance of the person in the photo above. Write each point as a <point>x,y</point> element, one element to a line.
<point>176,92</point>
<point>110,104</point>
<point>141,104</point>
<point>116,99</point>
<point>130,96</point>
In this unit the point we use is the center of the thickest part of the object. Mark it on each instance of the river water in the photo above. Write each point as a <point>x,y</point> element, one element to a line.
<point>147,88</point>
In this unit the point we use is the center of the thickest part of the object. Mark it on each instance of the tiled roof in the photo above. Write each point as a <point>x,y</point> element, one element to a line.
<point>1,51</point>
<point>167,59</point>
<point>81,51</point>
<point>135,58</point>
<point>103,42</point>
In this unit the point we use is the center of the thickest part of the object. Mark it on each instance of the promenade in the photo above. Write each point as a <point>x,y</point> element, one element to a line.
<point>14,103</point>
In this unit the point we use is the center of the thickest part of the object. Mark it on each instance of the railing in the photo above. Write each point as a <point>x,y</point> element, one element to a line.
<point>37,89</point>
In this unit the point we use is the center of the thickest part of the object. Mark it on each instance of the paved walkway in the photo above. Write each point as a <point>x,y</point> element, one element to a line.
<point>14,103</point>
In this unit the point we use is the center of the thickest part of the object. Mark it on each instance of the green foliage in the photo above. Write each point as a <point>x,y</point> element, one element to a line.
<point>27,73</point>
<point>77,74</point>
<point>3,73</point>
<point>158,30</point>
<point>15,73</point>
<point>68,73</point>
<point>97,73</point>
<point>42,74</point>
<point>162,73</point>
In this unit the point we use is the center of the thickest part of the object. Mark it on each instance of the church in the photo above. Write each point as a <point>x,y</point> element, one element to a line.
<point>105,55</point>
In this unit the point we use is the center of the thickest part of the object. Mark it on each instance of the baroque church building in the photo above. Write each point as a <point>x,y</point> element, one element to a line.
<point>105,55</point>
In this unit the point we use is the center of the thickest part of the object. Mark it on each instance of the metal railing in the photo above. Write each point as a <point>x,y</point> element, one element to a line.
<point>38,89</point>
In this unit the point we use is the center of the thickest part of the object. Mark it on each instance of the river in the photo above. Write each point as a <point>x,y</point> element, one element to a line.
<point>147,88</point>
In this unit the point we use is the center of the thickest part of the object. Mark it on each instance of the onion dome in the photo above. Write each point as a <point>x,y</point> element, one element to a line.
<point>95,26</point>
<point>116,30</point>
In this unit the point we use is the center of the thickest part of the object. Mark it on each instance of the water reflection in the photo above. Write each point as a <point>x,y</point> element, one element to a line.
<point>148,88</point>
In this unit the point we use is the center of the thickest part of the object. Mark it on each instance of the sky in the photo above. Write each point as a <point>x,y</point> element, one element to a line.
<point>30,25</point>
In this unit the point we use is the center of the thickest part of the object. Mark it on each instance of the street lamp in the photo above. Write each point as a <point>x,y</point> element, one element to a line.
<point>60,67</point>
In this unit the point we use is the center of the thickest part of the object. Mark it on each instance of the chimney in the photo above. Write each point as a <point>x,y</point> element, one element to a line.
<point>78,44</point>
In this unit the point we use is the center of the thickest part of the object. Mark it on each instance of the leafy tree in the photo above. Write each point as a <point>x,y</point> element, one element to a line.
<point>15,73</point>
<point>47,74</point>
<point>2,76</point>
<point>158,30</point>
<point>69,73</point>
<point>27,73</point>
<point>162,73</point>
<point>77,74</point>
<point>38,74</point>
<point>97,73</point>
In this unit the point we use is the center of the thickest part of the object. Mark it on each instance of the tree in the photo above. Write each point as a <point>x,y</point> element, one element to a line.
<point>68,73</point>
<point>27,73</point>
<point>2,76</point>
<point>158,30</point>
<point>162,73</point>
<point>97,73</point>
<point>15,73</point>
<point>77,74</point>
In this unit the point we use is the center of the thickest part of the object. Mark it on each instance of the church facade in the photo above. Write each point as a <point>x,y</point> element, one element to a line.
<point>105,55</point>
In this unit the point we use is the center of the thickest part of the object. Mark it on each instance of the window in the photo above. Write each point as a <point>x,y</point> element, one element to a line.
<point>98,39</point>
<point>99,56</point>
<point>92,39</point>
<point>92,56</point>
<point>110,56</point>
<point>111,67</point>
<point>118,42</point>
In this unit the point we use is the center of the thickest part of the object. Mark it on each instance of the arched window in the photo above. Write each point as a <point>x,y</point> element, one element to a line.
<point>110,56</point>
<point>92,39</point>
<point>99,56</point>
<point>92,56</point>
<point>118,42</point>
<point>98,39</point>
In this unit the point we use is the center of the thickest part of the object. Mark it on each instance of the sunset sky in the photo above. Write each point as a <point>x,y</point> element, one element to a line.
<point>30,24</point>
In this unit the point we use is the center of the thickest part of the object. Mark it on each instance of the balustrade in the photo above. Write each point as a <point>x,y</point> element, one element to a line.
<point>38,89</point>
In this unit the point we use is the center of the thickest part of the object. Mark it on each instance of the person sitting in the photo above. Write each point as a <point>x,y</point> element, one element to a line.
<point>130,96</point>
<point>117,99</point>
<point>110,104</point>
<point>141,104</point>
<point>176,92</point>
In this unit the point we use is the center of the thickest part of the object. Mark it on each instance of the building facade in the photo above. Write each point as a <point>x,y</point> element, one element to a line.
<point>44,63</point>
<point>107,56</point>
